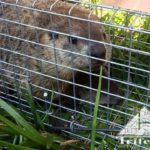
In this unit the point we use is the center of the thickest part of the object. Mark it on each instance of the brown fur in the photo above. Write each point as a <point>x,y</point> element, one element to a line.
<point>35,67</point>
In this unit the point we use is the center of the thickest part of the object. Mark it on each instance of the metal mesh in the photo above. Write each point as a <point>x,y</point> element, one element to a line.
<point>125,80</point>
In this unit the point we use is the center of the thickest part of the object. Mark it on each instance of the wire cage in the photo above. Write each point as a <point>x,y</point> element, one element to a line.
<point>53,50</point>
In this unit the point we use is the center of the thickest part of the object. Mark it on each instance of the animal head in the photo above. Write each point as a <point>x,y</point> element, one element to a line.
<point>77,37</point>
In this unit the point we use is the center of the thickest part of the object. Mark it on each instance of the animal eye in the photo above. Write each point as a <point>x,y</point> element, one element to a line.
<point>72,40</point>
<point>53,36</point>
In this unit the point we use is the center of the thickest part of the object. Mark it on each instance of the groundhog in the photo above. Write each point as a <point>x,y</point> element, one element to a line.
<point>49,50</point>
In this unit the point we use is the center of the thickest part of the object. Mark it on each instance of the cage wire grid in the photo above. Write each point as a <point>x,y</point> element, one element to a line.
<point>128,69</point>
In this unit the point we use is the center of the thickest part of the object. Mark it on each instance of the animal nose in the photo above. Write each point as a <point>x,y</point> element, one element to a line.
<point>97,50</point>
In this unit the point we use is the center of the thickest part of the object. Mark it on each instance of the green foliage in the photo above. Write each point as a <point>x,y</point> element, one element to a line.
<point>31,103</point>
<point>96,111</point>
<point>21,135</point>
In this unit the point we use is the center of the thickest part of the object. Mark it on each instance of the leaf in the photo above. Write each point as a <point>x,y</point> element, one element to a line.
<point>49,141</point>
<point>102,146</point>
<point>14,147</point>
<point>69,142</point>
<point>30,100</point>
<point>96,111</point>
<point>27,129</point>
<point>18,130</point>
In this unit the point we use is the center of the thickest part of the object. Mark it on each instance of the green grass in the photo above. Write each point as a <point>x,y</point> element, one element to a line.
<point>21,135</point>
<point>97,101</point>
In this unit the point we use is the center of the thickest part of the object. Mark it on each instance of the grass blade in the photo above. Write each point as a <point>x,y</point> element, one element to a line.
<point>30,100</point>
<point>18,130</point>
<point>36,136</point>
<point>14,147</point>
<point>96,110</point>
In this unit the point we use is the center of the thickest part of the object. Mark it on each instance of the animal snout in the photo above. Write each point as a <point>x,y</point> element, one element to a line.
<point>98,51</point>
